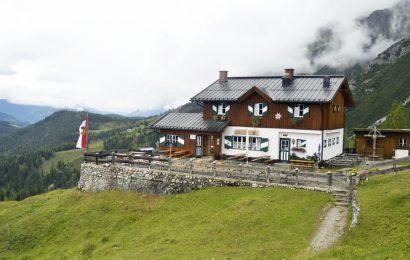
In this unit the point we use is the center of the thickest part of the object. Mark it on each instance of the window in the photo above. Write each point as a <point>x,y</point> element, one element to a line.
<point>222,108</point>
<point>239,142</point>
<point>258,111</point>
<point>402,142</point>
<point>254,143</point>
<point>334,108</point>
<point>333,141</point>
<point>300,143</point>
<point>324,143</point>
<point>172,139</point>
<point>329,142</point>
<point>298,110</point>
<point>337,140</point>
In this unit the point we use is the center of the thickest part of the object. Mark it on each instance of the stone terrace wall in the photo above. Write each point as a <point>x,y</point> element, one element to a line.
<point>99,177</point>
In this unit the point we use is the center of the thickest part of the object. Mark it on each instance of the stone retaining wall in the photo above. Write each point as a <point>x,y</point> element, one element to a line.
<point>107,177</point>
<point>98,177</point>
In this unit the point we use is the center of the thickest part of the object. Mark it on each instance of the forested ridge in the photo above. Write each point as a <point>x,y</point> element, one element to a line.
<point>23,152</point>
<point>21,175</point>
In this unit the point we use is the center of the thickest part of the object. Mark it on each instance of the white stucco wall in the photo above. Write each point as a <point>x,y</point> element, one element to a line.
<point>313,139</point>
<point>333,150</point>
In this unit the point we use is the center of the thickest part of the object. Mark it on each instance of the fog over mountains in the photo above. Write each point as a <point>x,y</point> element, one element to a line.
<point>338,47</point>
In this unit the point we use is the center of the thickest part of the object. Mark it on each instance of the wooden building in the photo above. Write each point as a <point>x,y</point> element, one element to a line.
<point>386,145</point>
<point>274,116</point>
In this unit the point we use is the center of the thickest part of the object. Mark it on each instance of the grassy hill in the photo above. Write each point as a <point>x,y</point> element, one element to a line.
<point>228,222</point>
<point>383,226</point>
<point>216,222</point>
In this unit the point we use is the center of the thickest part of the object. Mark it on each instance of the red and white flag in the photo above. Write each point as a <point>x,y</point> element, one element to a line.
<point>82,139</point>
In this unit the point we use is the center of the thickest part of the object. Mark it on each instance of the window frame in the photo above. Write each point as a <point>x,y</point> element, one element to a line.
<point>258,109</point>
<point>298,141</point>
<point>239,142</point>
<point>403,142</point>
<point>222,108</point>
<point>299,106</point>
<point>172,139</point>
<point>254,146</point>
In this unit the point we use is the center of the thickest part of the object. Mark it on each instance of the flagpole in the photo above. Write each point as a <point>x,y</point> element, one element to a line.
<point>86,127</point>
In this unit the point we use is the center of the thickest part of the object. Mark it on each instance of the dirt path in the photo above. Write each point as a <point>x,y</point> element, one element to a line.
<point>330,229</point>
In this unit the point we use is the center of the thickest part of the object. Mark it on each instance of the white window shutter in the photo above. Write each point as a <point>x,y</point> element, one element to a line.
<point>227,108</point>
<point>162,140</point>
<point>228,142</point>
<point>306,111</point>
<point>250,109</point>
<point>265,109</point>
<point>290,111</point>
<point>264,144</point>
<point>181,141</point>
<point>215,109</point>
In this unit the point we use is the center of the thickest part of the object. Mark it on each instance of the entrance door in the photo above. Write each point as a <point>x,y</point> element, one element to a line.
<point>284,149</point>
<point>199,145</point>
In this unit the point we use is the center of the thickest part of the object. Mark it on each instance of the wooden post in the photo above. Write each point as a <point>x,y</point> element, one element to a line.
<point>350,182</point>
<point>96,158</point>
<point>394,169</point>
<point>267,173</point>
<point>329,178</point>
<point>214,167</point>
<point>112,158</point>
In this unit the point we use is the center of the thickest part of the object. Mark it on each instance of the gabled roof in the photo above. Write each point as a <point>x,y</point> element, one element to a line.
<point>303,88</point>
<point>188,121</point>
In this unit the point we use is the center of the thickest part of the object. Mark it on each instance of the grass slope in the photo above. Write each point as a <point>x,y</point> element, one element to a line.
<point>383,229</point>
<point>75,156</point>
<point>216,222</point>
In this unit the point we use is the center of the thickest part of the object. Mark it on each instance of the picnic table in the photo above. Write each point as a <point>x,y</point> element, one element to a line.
<point>302,164</point>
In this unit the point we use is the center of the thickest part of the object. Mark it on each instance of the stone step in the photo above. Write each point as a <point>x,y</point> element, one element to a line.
<point>342,203</point>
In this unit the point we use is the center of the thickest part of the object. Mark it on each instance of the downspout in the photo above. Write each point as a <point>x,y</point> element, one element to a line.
<point>322,128</point>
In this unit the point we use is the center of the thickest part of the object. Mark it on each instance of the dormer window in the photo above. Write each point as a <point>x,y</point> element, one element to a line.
<point>223,108</point>
<point>298,110</point>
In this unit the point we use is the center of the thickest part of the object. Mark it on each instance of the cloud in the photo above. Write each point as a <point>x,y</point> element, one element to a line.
<point>123,56</point>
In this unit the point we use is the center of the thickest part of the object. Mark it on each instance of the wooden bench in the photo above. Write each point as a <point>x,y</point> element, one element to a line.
<point>302,164</point>
<point>180,153</point>
<point>260,158</point>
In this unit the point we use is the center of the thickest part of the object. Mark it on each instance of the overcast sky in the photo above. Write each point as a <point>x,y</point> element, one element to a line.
<point>121,56</point>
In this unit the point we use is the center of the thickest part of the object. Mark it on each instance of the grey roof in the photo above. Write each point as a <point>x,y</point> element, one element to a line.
<point>303,88</point>
<point>188,121</point>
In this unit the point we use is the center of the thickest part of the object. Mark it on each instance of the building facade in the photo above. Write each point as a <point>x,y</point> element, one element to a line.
<point>390,143</point>
<point>273,117</point>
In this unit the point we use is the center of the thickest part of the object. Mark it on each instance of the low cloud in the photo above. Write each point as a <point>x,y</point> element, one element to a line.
<point>123,56</point>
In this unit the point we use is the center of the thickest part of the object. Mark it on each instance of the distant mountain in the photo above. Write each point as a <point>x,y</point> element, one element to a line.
<point>389,24</point>
<point>27,114</point>
<point>10,119</point>
<point>375,88</point>
<point>59,130</point>
<point>146,113</point>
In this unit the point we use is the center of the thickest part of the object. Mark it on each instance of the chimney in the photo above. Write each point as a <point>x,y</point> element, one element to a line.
<point>223,76</point>
<point>326,81</point>
<point>289,74</point>
<point>287,77</point>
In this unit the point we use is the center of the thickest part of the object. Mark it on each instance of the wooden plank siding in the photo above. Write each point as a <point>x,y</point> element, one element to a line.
<point>190,145</point>
<point>384,146</point>
<point>238,114</point>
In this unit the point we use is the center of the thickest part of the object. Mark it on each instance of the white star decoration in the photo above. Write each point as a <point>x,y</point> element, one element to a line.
<point>278,116</point>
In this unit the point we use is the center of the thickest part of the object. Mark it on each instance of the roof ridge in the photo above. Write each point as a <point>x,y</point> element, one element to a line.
<point>295,76</point>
